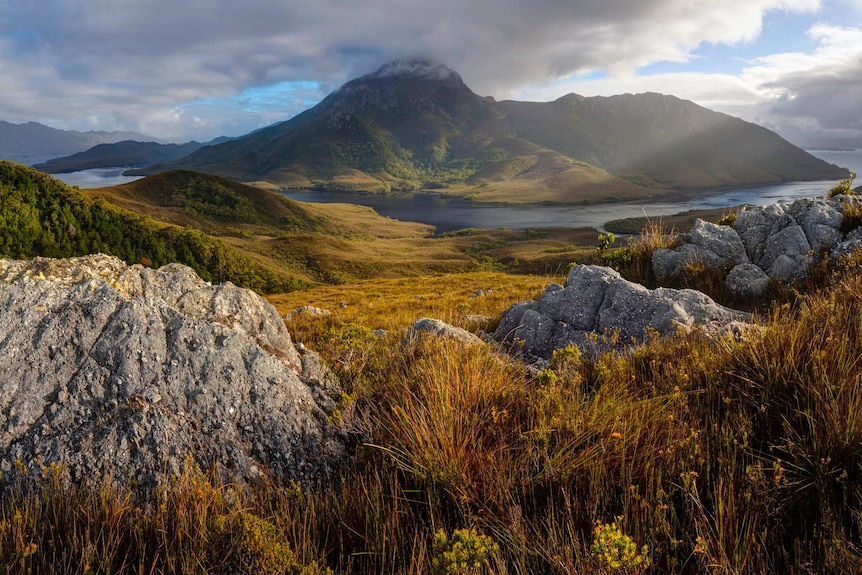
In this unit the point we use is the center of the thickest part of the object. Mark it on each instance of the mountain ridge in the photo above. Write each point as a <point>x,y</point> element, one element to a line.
<point>32,142</point>
<point>126,153</point>
<point>415,125</point>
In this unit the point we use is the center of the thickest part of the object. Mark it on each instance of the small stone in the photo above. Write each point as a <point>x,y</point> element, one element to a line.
<point>440,329</point>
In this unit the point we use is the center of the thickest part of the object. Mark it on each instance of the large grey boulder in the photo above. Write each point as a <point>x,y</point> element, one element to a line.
<point>781,238</point>
<point>786,252</point>
<point>597,301</point>
<point>820,221</point>
<point>755,224</point>
<point>130,372</point>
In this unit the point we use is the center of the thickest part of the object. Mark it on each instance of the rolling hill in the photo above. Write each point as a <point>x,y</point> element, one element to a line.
<point>416,125</point>
<point>41,216</point>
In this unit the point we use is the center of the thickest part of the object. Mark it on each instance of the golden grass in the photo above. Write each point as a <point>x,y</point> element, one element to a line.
<point>340,243</point>
<point>394,304</point>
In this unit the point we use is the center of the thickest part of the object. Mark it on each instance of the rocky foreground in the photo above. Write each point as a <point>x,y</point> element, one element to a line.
<point>128,372</point>
<point>775,243</point>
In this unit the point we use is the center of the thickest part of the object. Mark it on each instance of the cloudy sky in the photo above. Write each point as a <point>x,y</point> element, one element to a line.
<point>203,68</point>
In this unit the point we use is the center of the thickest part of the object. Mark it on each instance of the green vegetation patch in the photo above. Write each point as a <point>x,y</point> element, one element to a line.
<point>40,216</point>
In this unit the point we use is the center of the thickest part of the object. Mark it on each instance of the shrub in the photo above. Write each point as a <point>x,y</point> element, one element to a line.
<point>843,188</point>
<point>616,552</point>
<point>466,552</point>
<point>259,548</point>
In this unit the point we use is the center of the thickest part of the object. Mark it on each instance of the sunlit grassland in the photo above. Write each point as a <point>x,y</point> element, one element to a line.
<point>339,243</point>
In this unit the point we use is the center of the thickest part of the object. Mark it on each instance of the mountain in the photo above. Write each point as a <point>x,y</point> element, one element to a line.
<point>128,153</point>
<point>32,143</point>
<point>415,124</point>
<point>663,140</point>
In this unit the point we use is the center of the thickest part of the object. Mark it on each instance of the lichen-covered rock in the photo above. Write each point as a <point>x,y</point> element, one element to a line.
<point>781,239</point>
<point>851,243</point>
<point>786,252</point>
<point>128,372</point>
<point>597,301</point>
<point>747,280</point>
<point>713,245</point>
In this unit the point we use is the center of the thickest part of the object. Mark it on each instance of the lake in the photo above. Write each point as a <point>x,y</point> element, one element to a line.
<point>96,178</point>
<point>452,214</point>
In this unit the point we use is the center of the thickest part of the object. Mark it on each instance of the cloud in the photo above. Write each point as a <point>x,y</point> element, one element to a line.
<point>809,97</point>
<point>135,64</point>
<point>819,92</point>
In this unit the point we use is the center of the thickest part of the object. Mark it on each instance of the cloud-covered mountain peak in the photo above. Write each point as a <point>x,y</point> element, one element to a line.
<point>422,68</point>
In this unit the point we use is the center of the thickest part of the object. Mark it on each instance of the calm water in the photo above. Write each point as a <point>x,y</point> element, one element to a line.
<point>452,214</point>
<point>97,178</point>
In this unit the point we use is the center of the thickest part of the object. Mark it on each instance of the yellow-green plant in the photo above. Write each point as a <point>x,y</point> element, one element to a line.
<point>615,552</point>
<point>259,547</point>
<point>843,188</point>
<point>465,552</point>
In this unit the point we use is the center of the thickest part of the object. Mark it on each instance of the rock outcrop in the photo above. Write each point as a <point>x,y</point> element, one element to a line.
<point>780,239</point>
<point>597,301</point>
<point>130,372</point>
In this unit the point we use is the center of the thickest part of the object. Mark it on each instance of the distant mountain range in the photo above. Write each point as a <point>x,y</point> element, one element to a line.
<point>32,142</point>
<point>128,153</point>
<point>416,125</point>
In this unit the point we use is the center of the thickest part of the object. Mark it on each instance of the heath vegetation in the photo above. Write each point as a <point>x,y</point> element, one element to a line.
<point>686,455</point>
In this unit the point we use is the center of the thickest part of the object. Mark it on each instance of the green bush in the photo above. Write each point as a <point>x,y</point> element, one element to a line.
<point>843,188</point>
<point>465,552</point>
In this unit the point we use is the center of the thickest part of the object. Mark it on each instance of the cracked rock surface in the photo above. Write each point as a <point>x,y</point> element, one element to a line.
<point>128,372</point>
<point>595,301</point>
<point>781,239</point>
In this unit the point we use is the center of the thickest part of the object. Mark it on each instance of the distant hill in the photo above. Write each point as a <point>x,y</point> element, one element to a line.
<point>32,143</point>
<point>41,216</point>
<point>215,205</point>
<point>128,153</point>
<point>413,125</point>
